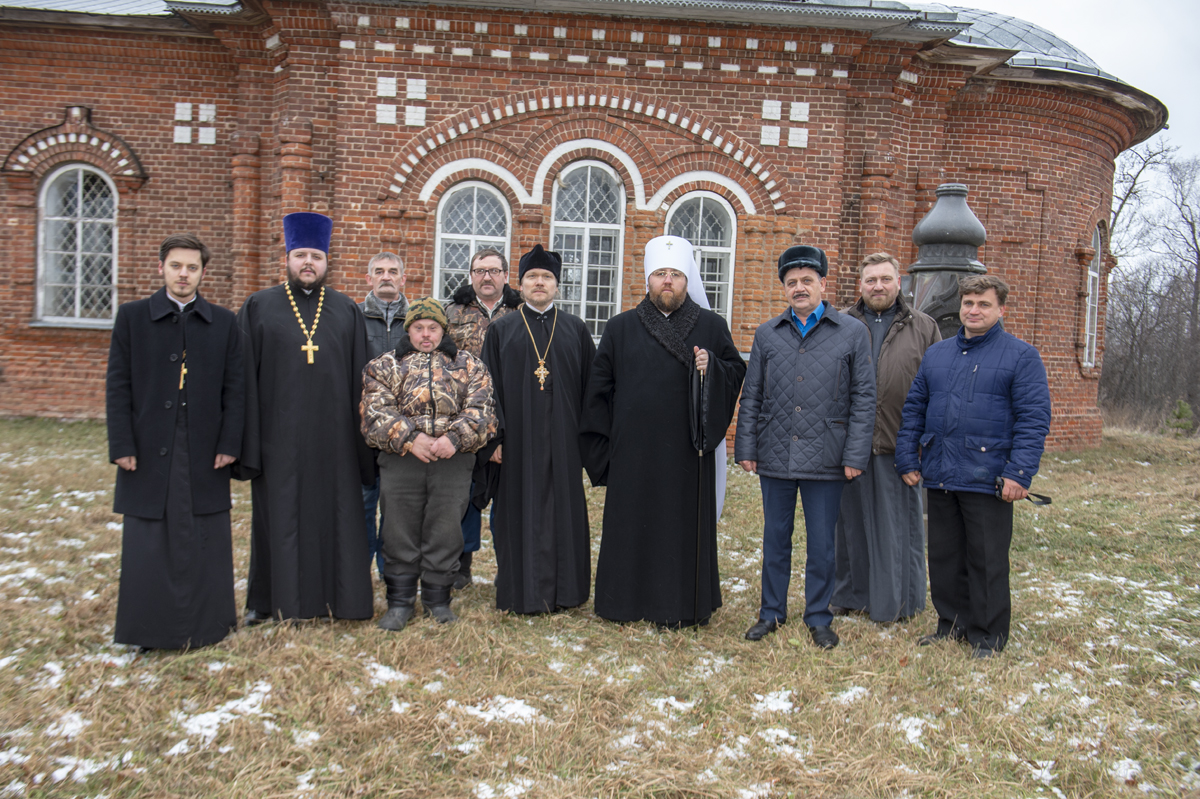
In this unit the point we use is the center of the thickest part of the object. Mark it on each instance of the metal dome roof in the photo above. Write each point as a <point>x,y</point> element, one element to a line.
<point>1038,46</point>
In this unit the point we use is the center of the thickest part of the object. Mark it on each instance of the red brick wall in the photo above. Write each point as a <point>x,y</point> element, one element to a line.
<point>297,130</point>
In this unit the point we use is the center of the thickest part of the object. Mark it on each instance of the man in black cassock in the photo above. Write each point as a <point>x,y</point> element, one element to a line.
<point>306,347</point>
<point>539,358</point>
<point>660,512</point>
<point>175,396</point>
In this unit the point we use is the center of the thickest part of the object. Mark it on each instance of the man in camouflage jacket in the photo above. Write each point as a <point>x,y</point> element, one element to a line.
<point>427,407</point>
<point>469,313</point>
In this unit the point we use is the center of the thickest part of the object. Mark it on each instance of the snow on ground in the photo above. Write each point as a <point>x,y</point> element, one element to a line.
<point>775,702</point>
<point>851,695</point>
<point>500,708</point>
<point>206,725</point>
<point>382,675</point>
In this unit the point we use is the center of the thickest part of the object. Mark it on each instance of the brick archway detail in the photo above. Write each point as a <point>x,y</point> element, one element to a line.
<point>745,174</point>
<point>76,139</point>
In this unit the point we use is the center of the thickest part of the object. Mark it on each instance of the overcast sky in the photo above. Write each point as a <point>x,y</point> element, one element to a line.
<point>1151,45</point>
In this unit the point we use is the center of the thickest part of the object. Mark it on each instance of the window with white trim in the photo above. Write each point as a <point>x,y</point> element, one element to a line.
<point>708,222</point>
<point>470,217</point>
<point>589,218</point>
<point>77,247</point>
<point>1091,334</point>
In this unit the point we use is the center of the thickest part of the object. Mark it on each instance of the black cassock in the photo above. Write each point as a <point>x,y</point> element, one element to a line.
<point>661,498</point>
<point>306,457</point>
<point>540,529</point>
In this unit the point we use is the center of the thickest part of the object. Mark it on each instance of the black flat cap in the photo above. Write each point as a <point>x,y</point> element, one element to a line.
<point>537,258</point>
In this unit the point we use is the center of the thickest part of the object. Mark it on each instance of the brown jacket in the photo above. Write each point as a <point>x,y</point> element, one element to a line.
<point>447,391</point>
<point>904,346</point>
<point>469,320</point>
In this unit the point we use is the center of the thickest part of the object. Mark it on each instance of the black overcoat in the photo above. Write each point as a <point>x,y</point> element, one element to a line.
<point>142,392</point>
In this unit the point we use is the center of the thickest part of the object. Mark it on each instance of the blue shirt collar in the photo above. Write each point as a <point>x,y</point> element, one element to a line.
<point>807,325</point>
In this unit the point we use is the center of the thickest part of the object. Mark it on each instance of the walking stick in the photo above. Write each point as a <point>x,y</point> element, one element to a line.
<point>699,499</point>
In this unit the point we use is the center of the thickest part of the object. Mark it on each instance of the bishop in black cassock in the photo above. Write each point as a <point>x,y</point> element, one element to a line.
<point>175,403</point>
<point>540,358</point>
<point>306,347</point>
<point>658,549</point>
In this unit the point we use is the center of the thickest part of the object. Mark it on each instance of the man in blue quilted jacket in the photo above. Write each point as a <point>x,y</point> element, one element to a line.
<point>974,427</point>
<point>805,423</point>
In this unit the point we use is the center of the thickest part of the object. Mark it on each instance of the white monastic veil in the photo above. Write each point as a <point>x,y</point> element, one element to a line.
<point>673,252</point>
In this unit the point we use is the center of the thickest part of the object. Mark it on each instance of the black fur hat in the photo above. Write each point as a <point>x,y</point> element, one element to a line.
<point>803,257</point>
<point>537,258</point>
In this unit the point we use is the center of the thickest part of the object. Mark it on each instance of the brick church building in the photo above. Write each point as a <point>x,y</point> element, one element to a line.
<point>590,126</point>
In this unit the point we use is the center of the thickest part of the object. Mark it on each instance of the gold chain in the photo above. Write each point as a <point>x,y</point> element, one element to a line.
<point>309,348</point>
<point>541,372</point>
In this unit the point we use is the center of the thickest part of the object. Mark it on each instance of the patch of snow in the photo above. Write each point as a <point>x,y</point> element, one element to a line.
<point>382,675</point>
<point>181,748</point>
<point>399,707</point>
<point>851,694</point>
<point>207,725</point>
<point>775,702</point>
<point>517,787</point>
<point>305,737</point>
<point>69,725</point>
<point>500,708</point>
<point>434,686</point>
<point>1125,771</point>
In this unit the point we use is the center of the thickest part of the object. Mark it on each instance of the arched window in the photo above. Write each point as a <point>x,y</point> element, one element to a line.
<point>589,211</point>
<point>77,247</point>
<point>1091,321</point>
<point>708,222</point>
<point>470,217</point>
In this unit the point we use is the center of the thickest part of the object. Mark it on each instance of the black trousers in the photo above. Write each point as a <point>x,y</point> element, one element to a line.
<point>969,538</point>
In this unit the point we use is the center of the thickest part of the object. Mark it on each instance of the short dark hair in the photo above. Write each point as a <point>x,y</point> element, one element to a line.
<point>879,258</point>
<point>385,256</point>
<point>184,241</point>
<point>979,284</point>
<point>488,252</point>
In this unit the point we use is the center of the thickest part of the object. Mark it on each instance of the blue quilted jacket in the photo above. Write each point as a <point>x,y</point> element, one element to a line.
<point>978,409</point>
<point>808,404</point>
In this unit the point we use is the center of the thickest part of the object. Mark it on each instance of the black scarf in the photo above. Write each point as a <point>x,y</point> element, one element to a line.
<point>670,331</point>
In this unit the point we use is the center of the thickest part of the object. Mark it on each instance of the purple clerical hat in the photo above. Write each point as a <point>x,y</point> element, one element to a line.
<point>311,231</point>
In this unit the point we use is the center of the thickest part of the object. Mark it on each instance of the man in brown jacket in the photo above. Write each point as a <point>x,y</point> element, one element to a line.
<point>468,314</point>
<point>428,407</point>
<point>880,538</point>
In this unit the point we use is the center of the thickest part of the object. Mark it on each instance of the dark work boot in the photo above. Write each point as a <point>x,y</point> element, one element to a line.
<point>463,578</point>
<point>401,597</point>
<point>435,599</point>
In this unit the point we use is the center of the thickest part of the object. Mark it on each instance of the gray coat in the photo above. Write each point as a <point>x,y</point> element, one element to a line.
<point>382,337</point>
<point>808,404</point>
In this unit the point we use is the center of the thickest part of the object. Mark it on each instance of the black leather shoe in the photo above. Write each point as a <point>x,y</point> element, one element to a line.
<point>824,637</point>
<point>760,629</point>
<point>254,617</point>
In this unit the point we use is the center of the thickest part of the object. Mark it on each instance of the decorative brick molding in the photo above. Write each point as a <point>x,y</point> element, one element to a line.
<point>76,139</point>
<point>743,174</point>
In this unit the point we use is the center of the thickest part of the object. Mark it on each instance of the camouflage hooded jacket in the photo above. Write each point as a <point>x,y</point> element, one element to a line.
<point>469,320</point>
<point>447,391</point>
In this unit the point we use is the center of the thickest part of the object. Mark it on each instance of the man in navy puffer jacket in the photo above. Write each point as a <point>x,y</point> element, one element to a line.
<point>805,424</point>
<point>974,428</point>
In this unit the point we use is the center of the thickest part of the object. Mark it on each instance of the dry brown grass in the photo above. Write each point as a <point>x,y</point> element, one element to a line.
<point>1101,677</point>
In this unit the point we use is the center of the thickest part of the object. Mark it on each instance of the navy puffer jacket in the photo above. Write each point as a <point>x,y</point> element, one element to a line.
<point>808,404</point>
<point>978,409</point>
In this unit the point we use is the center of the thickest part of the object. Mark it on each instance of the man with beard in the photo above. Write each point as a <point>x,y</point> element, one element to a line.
<point>804,425</point>
<point>540,358</point>
<point>383,312</point>
<point>306,347</point>
<point>880,541</point>
<point>658,549</point>
<point>469,313</point>
<point>175,405</point>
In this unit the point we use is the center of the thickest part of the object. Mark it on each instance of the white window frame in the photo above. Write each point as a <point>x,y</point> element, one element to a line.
<point>698,251</point>
<point>477,242</point>
<point>73,321</point>
<point>1091,313</point>
<point>588,228</point>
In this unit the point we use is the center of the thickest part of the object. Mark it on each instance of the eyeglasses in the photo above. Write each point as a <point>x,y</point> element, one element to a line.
<point>493,272</point>
<point>663,274</point>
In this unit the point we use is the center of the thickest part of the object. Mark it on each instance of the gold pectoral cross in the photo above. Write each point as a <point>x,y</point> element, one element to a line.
<point>310,348</point>
<point>541,373</point>
<point>182,371</point>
